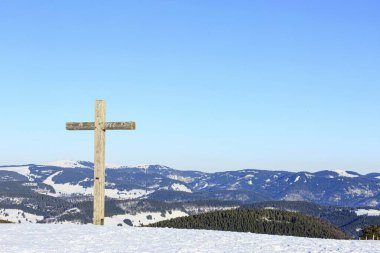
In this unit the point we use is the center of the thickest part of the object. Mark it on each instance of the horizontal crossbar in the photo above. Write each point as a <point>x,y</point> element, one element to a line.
<point>108,125</point>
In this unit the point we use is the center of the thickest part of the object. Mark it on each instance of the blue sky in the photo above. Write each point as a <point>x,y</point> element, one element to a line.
<point>212,85</point>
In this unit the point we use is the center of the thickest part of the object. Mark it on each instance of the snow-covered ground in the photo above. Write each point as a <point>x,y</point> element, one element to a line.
<point>368,212</point>
<point>143,218</point>
<point>68,189</point>
<point>65,164</point>
<point>180,187</point>
<point>88,238</point>
<point>23,170</point>
<point>343,173</point>
<point>17,215</point>
<point>137,219</point>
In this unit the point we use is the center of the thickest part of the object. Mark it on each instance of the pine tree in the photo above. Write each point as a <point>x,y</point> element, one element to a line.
<point>371,233</point>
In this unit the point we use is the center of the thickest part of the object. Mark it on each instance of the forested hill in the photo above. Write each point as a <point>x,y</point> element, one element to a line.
<point>262,221</point>
<point>349,220</point>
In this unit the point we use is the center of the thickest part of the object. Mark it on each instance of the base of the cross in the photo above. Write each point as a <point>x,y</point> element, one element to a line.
<point>98,222</point>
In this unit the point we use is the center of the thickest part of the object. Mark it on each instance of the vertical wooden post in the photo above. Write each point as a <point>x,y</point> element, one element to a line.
<point>100,126</point>
<point>99,161</point>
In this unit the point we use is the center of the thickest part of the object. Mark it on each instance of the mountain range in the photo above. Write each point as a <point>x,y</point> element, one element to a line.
<point>61,192</point>
<point>75,178</point>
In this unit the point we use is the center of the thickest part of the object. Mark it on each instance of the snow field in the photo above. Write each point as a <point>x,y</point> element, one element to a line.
<point>23,170</point>
<point>142,218</point>
<point>16,215</point>
<point>180,187</point>
<point>343,173</point>
<point>55,238</point>
<point>69,189</point>
<point>368,212</point>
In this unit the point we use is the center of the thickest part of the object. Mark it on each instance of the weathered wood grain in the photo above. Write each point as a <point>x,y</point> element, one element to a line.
<point>100,126</point>
<point>99,161</point>
<point>80,126</point>
<point>130,125</point>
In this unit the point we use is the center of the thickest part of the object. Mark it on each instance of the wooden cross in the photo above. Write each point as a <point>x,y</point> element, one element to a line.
<point>100,126</point>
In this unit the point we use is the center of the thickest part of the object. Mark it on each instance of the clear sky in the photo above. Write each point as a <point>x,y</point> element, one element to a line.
<point>212,85</point>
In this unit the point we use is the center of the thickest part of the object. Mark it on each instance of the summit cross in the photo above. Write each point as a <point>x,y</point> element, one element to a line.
<point>100,126</point>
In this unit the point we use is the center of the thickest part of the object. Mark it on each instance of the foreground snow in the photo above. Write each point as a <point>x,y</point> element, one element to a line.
<point>89,238</point>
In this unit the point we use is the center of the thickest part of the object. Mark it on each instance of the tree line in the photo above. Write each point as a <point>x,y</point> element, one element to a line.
<point>263,221</point>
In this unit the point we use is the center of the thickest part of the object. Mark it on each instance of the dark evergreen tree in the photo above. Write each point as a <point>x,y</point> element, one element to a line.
<point>371,233</point>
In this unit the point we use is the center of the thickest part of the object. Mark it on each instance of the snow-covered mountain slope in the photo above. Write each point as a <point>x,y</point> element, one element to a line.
<point>89,238</point>
<point>21,170</point>
<point>341,188</point>
<point>143,218</point>
<point>17,215</point>
<point>66,164</point>
<point>368,212</point>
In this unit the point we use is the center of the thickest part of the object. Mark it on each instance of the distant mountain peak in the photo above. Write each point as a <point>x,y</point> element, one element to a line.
<point>343,173</point>
<point>67,164</point>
